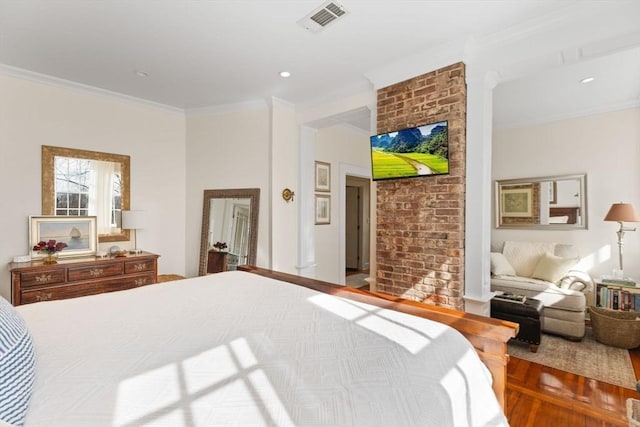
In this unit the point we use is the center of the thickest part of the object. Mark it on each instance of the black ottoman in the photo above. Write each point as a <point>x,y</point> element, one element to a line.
<point>527,315</point>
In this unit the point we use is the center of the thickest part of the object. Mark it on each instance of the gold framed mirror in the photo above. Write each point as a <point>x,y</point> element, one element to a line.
<point>229,229</point>
<point>549,203</point>
<point>82,177</point>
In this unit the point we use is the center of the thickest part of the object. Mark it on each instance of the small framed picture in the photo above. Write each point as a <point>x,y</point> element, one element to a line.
<point>78,232</point>
<point>323,176</point>
<point>323,209</point>
<point>517,202</point>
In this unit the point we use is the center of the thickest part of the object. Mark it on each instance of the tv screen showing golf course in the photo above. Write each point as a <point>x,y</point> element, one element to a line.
<point>405,153</point>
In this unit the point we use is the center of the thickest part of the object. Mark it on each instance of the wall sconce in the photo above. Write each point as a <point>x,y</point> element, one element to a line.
<point>133,220</point>
<point>287,195</point>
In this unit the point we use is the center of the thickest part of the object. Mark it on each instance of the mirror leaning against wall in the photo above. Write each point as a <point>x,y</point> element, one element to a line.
<point>550,202</point>
<point>229,229</point>
<point>82,182</point>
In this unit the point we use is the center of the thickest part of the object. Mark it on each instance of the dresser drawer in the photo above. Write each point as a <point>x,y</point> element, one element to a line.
<point>57,292</point>
<point>42,277</point>
<point>128,282</point>
<point>139,266</point>
<point>94,272</point>
<point>73,291</point>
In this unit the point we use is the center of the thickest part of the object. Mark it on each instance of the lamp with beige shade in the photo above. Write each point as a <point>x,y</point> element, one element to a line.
<point>621,213</point>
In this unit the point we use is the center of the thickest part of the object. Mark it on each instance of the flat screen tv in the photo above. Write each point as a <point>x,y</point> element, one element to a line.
<point>405,153</point>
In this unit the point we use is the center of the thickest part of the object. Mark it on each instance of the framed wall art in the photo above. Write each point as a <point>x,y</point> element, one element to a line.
<point>78,232</point>
<point>323,209</point>
<point>516,202</point>
<point>323,176</point>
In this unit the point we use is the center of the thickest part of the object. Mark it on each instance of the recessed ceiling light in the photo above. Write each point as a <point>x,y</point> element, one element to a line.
<point>587,80</point>
<point>285,74</point>
<point>140,73</point>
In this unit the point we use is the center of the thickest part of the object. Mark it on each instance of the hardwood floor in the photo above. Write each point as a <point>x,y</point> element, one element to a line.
<point>538,395</point>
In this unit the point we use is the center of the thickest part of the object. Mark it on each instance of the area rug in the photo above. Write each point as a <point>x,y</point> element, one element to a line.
<point>357,280</point>
<point>588,358</point>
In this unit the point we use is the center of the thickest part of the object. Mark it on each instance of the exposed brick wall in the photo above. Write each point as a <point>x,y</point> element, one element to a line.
<point>420,226</point>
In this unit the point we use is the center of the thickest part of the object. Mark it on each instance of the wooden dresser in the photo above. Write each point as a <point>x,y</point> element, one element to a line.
<point>33,281</point>
<point>216,261</point>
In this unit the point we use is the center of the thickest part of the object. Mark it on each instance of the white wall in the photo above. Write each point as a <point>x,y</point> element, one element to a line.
<point>284,174</point>
<point>607,148</point>
<point>34,114</point>
<point>336,145</point>
<point>227,150</point>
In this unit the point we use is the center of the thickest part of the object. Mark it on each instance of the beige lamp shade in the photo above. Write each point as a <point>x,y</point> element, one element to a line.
<point>622,212</point>
<point>133,220</point>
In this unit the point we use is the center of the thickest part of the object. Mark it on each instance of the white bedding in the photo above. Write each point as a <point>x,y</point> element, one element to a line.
<point>238,349</point>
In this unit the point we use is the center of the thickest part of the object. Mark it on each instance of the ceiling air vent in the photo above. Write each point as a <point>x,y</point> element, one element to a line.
<point>322,16</point>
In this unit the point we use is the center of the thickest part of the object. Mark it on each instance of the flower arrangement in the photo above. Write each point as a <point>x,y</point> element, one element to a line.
<point>49,248</point>
<point>220,246</point>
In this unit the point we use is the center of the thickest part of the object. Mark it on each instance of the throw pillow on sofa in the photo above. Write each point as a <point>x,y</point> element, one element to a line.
<point>500,266</point>
<point>553,268</point>
<point>524,256</point>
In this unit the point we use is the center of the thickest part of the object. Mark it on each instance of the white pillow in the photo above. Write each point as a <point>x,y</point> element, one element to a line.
<point>524,256</point>
<point>553,268</point>
<point>500,266</point>
<point>559,219</point>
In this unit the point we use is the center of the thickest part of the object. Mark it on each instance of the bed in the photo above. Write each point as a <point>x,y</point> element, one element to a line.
<point>251,348</point>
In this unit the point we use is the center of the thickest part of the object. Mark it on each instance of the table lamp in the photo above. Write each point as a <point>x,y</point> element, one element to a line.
<point>133,220</point>
<point>621,213</point>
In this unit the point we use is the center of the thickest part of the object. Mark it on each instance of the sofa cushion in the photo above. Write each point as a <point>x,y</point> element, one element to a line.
<point>550,294</point>
<point>553,268</point>
<point>524,256</point>
<point>500,265</point>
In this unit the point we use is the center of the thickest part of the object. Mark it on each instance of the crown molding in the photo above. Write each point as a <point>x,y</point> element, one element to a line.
<point>23,74</point>
<point>420,63</point>
<point>238,107</point>
<point>337,95</point>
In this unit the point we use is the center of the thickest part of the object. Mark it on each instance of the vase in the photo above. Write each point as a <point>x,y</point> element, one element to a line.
<point>50,259</point>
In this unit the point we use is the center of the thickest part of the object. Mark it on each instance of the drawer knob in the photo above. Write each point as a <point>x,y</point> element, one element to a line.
<point>45,278</point>
<point>96,272</point>
<point>43,297</point>
<point>141,282</point>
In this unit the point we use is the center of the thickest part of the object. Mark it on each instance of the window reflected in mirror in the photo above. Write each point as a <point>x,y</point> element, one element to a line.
<point>81,182</point>
<point>557,202</point>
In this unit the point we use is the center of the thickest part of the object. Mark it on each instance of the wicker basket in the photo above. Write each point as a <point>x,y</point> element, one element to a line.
<point>615,328</point>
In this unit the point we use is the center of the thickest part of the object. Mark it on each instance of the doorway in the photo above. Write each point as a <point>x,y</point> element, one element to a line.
<point>356,229</point>
<point>353,228</point>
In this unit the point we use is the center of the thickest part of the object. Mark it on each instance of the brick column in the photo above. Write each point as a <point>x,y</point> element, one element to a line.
<point>420,221</point>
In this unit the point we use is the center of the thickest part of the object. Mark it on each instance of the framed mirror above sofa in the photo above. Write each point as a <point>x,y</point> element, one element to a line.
<point>81,182</point>
<point>550,202</point>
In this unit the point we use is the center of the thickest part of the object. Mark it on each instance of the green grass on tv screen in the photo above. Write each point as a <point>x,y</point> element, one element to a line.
<point>398,165</point>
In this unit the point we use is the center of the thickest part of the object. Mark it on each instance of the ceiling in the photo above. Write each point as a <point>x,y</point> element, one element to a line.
<point>199,54</point>
<point>558,93</point>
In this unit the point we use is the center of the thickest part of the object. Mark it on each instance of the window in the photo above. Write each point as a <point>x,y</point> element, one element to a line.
<point>76,184</point>
<point>81,183</point>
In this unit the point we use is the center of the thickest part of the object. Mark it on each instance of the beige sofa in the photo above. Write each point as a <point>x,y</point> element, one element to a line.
<point>547,272</point>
